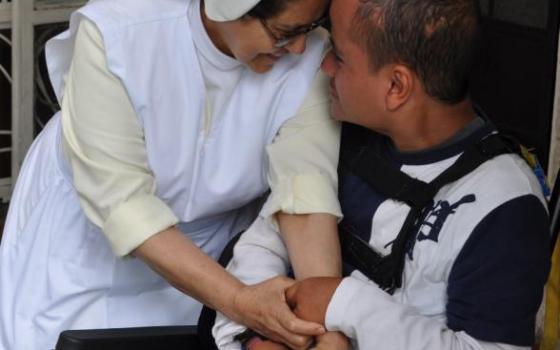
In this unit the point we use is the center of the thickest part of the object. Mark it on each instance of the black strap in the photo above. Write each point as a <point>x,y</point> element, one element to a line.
<point>389,181</point>
<point>362,157</point>
<point>207,317</point>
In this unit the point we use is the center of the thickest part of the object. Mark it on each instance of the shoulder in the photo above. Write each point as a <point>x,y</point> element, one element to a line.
<point>509,222</point>
<point>318,94</point>
<point>502,263</point>
<point>499,180</point>
<point>510,202</point>
<point>88,31</point>
<point>128,13</point>
<point>500,201</point>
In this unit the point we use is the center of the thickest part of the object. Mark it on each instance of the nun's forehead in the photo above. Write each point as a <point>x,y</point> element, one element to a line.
<point>228,10</point>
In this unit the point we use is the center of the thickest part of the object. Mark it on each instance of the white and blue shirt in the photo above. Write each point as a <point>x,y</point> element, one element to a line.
<point>474,270</point>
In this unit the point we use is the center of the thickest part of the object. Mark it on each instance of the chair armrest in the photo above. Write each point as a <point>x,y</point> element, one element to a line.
<point>141,338</point>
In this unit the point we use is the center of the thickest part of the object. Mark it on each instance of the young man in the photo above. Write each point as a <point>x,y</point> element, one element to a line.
<point>475,268</point>
<point>469,270</point>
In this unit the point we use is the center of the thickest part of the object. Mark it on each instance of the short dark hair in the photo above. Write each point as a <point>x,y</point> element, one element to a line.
<point>437,39</point>
<point>266,9</point>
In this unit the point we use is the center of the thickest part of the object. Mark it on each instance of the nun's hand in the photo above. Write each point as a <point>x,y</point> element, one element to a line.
<point>263,308</point>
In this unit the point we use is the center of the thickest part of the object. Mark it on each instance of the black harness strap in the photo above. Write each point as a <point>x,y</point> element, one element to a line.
<point>207,316</point>
<point>362,158</point>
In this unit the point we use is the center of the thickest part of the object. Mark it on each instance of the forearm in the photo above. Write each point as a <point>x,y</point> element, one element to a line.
<point>375,320</point>
<point>261,307</point>
<point>312,243</point>
<point>178,260</point>
<point>303,181</point>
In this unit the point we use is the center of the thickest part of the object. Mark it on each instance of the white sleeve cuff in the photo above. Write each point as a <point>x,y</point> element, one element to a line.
<point>344,311</point>
<point>224,331</point>
<point>135,220</point>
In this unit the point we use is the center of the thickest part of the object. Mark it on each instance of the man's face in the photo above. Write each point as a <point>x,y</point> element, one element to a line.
<point>357,94</point>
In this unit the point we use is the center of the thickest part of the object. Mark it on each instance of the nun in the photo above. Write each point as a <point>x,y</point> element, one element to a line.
<point>177,118</point>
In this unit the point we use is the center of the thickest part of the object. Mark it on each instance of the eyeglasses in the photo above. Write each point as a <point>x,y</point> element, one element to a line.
<point>286,39</point>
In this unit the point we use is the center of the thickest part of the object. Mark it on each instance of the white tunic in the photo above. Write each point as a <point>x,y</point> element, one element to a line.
<point>108,154</point>
<point>60,268</point>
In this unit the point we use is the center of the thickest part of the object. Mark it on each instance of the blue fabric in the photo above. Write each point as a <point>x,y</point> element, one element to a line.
<point>495,284</point>
<point>358,202</point>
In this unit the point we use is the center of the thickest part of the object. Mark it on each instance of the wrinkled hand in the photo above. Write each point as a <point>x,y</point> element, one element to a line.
<point>263,308</point>
<point>331,341</point>
<point>310,298</point>
<point>327,341</point>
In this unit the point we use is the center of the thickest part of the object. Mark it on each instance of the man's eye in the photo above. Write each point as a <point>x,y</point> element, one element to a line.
<point>338,58</point>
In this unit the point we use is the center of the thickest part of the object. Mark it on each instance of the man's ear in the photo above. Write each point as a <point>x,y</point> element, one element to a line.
<point>401,80</point>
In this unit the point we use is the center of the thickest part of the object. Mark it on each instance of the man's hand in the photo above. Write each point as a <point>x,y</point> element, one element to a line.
<point>310,298</point>
<point>327,341</point>
<point>263,308</point>
<point>266,345</point>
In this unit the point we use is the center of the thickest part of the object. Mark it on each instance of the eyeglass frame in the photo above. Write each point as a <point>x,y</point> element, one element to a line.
<point>286,39</point>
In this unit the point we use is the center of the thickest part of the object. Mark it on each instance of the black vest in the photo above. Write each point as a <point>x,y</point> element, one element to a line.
<point>367,176</point>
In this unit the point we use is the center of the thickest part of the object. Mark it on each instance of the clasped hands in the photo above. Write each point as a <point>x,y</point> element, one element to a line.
<point>308,299</point>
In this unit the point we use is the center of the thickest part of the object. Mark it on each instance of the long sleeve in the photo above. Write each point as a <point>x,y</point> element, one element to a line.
<point>493,291</point>
<point>259,254</point>
<point>304,157</point>
<point>374,320</point>
<point>104,144</point>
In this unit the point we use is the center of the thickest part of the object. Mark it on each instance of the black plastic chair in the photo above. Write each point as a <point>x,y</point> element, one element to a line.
<point>142,338</point>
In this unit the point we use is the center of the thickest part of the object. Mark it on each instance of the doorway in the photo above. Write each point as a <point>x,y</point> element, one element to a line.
<point>514,76</point>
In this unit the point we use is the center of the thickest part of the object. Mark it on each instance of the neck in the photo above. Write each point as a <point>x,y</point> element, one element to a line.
<point>430,125</point>
<point>212,28</point>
